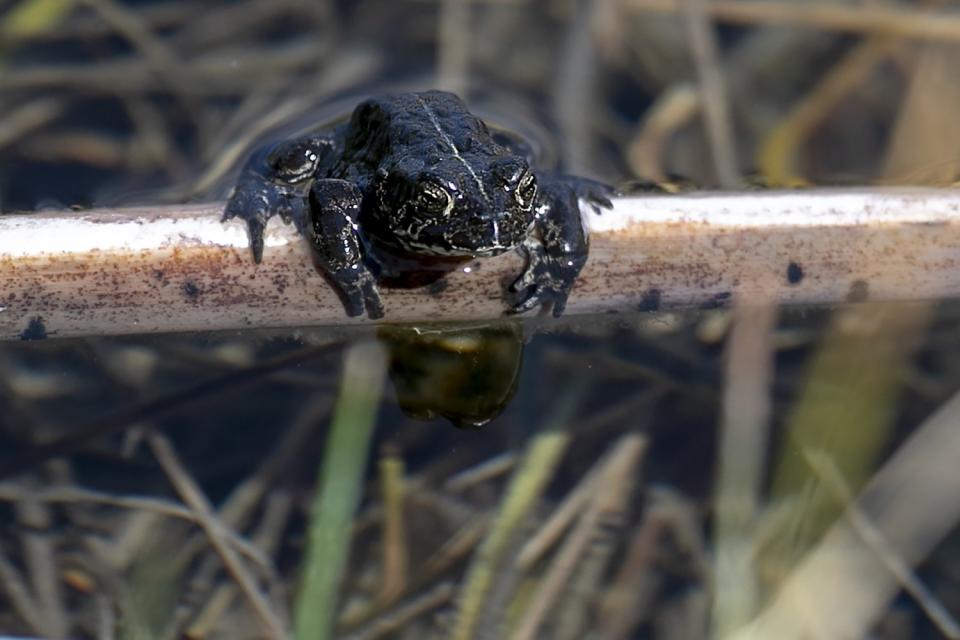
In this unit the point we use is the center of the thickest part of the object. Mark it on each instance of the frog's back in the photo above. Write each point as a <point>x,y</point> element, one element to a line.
<point>422,123</point>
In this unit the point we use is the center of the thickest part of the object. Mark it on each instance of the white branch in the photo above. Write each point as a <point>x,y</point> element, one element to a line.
<point>179,268</point>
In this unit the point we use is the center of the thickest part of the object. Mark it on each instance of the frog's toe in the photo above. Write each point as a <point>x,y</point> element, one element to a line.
<point>538,295</point>
<point>596,194</point>
<point>235,205</point>
<point>373,302</point>
<point>358,289</point>
<point>244,206</point>
<point>545,279</point>
<point>256,227</point>
<point>353,302</point>
<point>358,300</point>
<point>598,200</point>
<point>526,280</point>
<point>531,299</point>
<point>538,286</point>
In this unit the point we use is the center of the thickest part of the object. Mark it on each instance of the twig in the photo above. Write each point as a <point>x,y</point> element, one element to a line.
<point>526,486</point>
<point>617,472</point>
<point>226,71</point>
<point>119,551</point>
<point>158,57</point>
<point>29,116</point>
<point>842,586</point>
<point>35,523</point>
<point>835,482</point>
<point>453,45</point>
<point>671,110</point>
<point>777,156</point>
<point>559,522</point>
<point>487,470</point>
<point>156,506</point>
<point>266,538</point>
<point>865,19</point>
<point>457,546</point>
<point>629,600</point>
<point>713,95</point>
<point>395,550</point>
<point>18,595</point>
<point>179,268</point>
<point>396,619</point>
<point>740,474</point>
<point>192,495</point>
<point>106,617</point>
<point>574,85</point>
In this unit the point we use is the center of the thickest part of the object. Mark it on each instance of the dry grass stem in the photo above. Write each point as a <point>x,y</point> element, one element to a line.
<point>842,586</point>
<point>40,558</point>
<point>152,506</point>
<point>19,596</point>
<point>33,115</point>
<point>617,479</point>
<point>266,538</point>
<point>559,521</point>
<point>777,156</point>
<point>453,45</point>
<point>395,570</point>
<point>490,564</point>
<point>194,498</point>
<point>833,480</point>
<point>743,447</point>
<point>405,612</point>
<point>458,546</point>
<point>243,500</point>
<point>486,471</point>
<point>671,111</point>
<point>713,94</point>
<point>873,19</point>
<point>121,550</point>
<point>628,598</point>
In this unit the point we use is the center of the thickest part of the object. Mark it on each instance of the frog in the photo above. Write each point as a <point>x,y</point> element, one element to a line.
<point>415,182</point>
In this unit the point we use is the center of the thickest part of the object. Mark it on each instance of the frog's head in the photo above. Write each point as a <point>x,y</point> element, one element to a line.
<point>456,205</point>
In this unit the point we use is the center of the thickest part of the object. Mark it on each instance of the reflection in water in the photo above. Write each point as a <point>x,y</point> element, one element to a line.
<point>466,375</point>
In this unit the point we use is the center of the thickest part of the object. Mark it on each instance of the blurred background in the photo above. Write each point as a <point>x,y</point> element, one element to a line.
<point>654,475</point>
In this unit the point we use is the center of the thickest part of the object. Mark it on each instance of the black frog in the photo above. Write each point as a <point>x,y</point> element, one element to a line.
<point>415,181</point>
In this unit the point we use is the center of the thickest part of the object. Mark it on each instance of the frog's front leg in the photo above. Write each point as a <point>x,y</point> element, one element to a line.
<point>558,251</point>
<point>335,239</point>
<point>273,183</point>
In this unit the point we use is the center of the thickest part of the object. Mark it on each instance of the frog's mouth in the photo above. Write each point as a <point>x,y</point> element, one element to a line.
<point>470,236</point>
<point>489,238</point>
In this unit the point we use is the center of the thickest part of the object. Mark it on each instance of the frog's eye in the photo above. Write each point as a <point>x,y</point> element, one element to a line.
<point>433,198</point>
<point>526,190</point>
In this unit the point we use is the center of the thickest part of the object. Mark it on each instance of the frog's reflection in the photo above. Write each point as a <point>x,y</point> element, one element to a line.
<point>465,374</point>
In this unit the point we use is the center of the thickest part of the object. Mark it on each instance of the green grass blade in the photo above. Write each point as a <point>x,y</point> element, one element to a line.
<point>340,483</point>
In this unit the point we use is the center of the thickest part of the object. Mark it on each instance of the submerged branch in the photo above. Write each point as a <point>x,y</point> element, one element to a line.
<point>161,269</point>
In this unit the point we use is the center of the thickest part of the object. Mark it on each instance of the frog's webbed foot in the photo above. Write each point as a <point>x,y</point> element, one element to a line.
<point>546,279</point>
<point>597,195</point>
<point>335,240</point>
<point>273,182</point>
<point>257,199</point>
<point>359,292</point>
<point>555,258</point>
